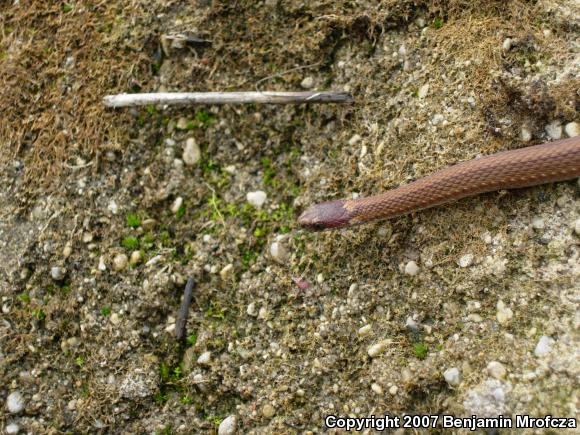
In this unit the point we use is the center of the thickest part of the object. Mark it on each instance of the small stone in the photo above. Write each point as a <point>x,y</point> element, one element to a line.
<point>268,411</point>
<point>393,390</point>
<point>204,359</point>
<point>307,83</point>
<point>278,252</point>
<point>452,376</point>
<point>113,207</point>
<point>136,258</point>
<point>507,44</point>
<point>120,262</point>
<point>504,314</point>
<point>115,319</point>
<point>411,268</point>
<point>554,129</point>
<point>320,278</point>
<point>577,227</point>
<point>378,348</point>
<point>411,325</point>
<point>257,198</point>
<point>251,309</point>
<point>496,370</point>
<point>176,204</point>
<point>15,402</point>
<point>354,139</point>
<point>226,271</point>
<point>437,119</point>
<point>102,266</point>
<point>191,152</point>
<point>57,273</point>
<point>12,429</point>
<point>465,260</point>
<point>363,331</point>
<point>148,224</point>
<point>538,223</point>
<point>572,129</point>
<point>423,91</point>
<point>228,425</point>
<point>67,250</point>
<point>525,134</point>
<point>544,346</point>
<point>182,123</point>
<point>377,389</point>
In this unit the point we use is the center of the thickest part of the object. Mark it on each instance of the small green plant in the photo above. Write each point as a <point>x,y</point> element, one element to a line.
<point>180,212</point>
<point>24,298</point>
<point>39,314</point>
<point>186,400</point>
<point>192,339</point>
<point>133,221</point>
<point>151,110</point>
<point>105,311</point>
<point>420,350</point>
<point>438,22</point>
<point>269,172</point>
<point>79,361</point>
<point>130,243</point>
<point>66,8</point>
<point>160,398</point>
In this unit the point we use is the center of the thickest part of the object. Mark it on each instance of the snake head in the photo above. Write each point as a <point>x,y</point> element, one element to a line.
<point>324,216</point>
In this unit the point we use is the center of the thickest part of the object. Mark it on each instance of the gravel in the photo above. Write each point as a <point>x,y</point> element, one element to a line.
<point>228,425</point>
<point>176,205</point>
<point>12,429</point>
<point>504,314</point>
<point>411,268</point>
<point>572,129</point>
<point>15,402</point>
<point>57,273</point>
<point>378,348</point>
<point>452,376</point>
<point>307,83</point>
<point>465,260</point>
<point>577,226</point>
<point>496,370</point>
<point>278,252</point>
<point>554,129</point>
<point>257,198</point>
<point>538,223</point>
<point>204,359</point>
<point>120,262</point>
<point>544,346</point>
<point>191,152</point>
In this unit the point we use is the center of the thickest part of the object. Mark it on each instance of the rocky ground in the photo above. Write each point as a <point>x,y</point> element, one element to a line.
<point>470,308</point>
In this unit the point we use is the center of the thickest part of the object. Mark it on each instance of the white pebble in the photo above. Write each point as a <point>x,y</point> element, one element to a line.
<point>364,330</point>
<point>525,134</point>
<point>538,223</point>
<point>554,129</point>
<point>228,425</point>
<point>257,198</point>
<point>307,83</point>
<point>12,429</point>
<point>191,152</point>
<point>354,139</point>
<point>320,278</point>
<point>115,319</point>
<point>226,271</point>
<point>378,348</point>
<point>57,273</point>
<point>466,260</point>
<point>15,402</point>
<point>504,314</point>
<point>136,258</point>
<point>496,370</point>
<point>102,266</point>
<point>452,376</point>
<point>251,309</point>
<point>544,346</point>
<point>393,390</point>
<point>204,359</point>
<point>176,204</point>
<point>423,91</point>
<point>377,389</point>
<point>411,268</point>
<point>278,252</point>
<point>577,226</point>
<point>437,119</point>
<point>507,44</point>
<point>113,207</point>
<point>120,262</point>
<point>572,129</point>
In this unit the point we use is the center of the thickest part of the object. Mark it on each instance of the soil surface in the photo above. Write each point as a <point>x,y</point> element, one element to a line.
<point>466,309</point>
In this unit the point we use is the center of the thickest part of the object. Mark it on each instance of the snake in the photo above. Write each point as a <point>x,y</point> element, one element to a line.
<point>523,167</point>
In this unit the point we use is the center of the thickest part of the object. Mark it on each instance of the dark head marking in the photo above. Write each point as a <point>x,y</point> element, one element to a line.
<point>324,216</point>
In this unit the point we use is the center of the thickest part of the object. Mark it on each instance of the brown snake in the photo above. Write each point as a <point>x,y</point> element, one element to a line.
<point>539,164</point>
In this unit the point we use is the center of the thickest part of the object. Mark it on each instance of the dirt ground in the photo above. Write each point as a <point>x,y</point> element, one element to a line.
<point>466,309</point>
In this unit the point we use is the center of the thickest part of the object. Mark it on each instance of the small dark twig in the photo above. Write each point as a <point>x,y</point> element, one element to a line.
<point>180,324</point>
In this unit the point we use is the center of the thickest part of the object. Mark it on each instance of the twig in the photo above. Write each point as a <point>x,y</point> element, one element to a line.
<point>180,324</point>
<point>191,98</point>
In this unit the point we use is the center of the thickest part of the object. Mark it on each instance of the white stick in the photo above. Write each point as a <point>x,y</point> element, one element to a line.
<point>191,98</point>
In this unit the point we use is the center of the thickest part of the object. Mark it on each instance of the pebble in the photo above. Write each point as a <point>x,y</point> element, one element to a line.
<point>226,271</point>
<point>307,83</point>
<point>538,223</point>
<point>525,134</point>
<point>120,262</point>
<point>12,429</point>
<point>364,330</point>
<point>423,91</point>
<point>182,123</point>
<point>57,273</point>
<point>507,44</point>
<point>354,139</point>
<point>393,390</point>
<point>437,119</point>
<point>136,258</point>
<point>113,207</point>
<point>377,389</point>
<point>102,266</point>
<point>268,411</point>
<point>278,252</point>
<point>191,152</point>
<point>411,325</point>
<point>67,250</point>
<point>204,359</point>
<point>452,376</point>
<point>320,278</point>
<point>411,268</point>
<point>577,227</point>
<point>544,346</point>
<point>176,204</point>
<point>15,402</point>
<point>148,224</point>
<point>257,198</point>
<point>572,129</point>
<point>504,314</point>
<point>115,319</point>
<point>378,348</point>
<point>554,129</point>
<point>228,425</point>
<point>251,309</point>
<point>466,260</point>
<point>496,370</point>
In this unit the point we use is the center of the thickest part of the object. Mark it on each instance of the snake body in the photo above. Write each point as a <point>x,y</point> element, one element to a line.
<point>530,166</point>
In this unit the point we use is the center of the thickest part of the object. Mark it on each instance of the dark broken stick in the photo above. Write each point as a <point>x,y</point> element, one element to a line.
<point>183,314</point>
<point>192,98</point>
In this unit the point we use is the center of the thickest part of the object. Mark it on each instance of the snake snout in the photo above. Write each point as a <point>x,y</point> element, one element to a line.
<point>324,216</point>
